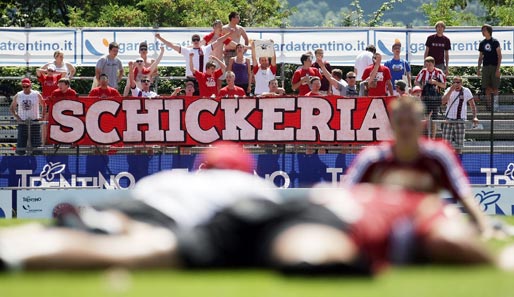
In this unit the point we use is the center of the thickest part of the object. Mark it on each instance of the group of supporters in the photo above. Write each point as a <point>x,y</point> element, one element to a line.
<point>221,56</point>
<point>386,211</point>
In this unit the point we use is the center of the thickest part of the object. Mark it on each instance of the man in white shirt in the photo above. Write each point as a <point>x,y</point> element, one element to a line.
<point>456,99</point>
<point>201,53</point>
<point>363,60</point>
<point>145,81</point>
<point>25,107</point>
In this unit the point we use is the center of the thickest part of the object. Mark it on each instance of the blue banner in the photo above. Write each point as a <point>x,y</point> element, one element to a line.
<point>285,170</point>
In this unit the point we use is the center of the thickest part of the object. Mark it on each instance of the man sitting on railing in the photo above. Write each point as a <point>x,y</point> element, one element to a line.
<point>25,107</point>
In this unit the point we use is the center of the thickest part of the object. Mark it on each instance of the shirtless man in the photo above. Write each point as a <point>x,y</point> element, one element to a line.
<point>238,32</point>
<point>216,33</point>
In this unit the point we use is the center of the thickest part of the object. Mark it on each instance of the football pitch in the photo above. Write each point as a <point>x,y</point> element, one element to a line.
<point>413,281</point>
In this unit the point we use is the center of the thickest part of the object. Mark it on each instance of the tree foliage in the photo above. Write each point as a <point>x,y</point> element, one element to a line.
<point>135,13</point>
<point>450,12</point>
<point>353,16</point>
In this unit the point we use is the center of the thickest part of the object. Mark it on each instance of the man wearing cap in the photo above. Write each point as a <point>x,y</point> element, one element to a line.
<point>25,107</point>
<point>200,53</point>
<point>438,47</point>
<point>48,78</point>
<point>104,90</point>
<point>110,65</point>
<point>302,76</point>
<point>399,68</point>
<point>416,91</point>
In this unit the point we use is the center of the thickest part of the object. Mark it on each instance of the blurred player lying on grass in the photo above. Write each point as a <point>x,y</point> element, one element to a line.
<point>415,163</point>
<point>225,217</point>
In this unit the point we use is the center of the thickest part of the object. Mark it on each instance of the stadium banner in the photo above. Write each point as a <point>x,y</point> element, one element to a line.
<point>193,121</point>
<point>84,46</point>
<point>45,204</point>
<point>286,170</point>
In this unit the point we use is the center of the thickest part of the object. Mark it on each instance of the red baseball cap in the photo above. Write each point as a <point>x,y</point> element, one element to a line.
<point>26,81</point>
<point>227,155</point>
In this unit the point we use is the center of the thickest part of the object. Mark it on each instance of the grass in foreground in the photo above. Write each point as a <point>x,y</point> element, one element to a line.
<point>398,282</point>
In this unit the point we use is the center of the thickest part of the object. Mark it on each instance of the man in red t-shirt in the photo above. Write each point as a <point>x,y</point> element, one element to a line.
<point>231,90</point>
<point>48,79</point>
<point>378,78</point>
<point>302,76</point>
<point>208,80</point>
<point>104,91</point>
<point>64,91</point>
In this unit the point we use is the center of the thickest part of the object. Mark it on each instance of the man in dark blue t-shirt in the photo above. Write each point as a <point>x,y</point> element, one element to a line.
<point>491,58</point>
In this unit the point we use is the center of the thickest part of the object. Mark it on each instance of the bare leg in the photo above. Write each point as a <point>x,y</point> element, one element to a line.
<point>313,244</point>
<point>142,246</point>
<point>452,241</point>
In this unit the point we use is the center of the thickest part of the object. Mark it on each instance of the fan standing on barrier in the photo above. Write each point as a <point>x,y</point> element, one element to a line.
<point>456,97</point>
<point>25,107</point>
<point>491,58</point>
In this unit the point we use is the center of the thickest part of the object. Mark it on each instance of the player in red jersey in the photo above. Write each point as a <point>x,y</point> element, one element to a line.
<point>415,163</point>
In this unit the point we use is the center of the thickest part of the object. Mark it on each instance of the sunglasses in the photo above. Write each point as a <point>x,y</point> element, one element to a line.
<point>143,49</point>
<point>196,39</point>
<point>351,76</point>
<point>457,82</point>
<point>145,80</point>
<point>25,87</point>
<point>139,61</point>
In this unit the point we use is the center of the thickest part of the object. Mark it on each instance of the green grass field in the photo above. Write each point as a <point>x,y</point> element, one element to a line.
<point>414,281</point>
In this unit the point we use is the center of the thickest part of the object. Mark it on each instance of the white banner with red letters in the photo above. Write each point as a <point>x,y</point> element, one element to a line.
<point>191,121</point>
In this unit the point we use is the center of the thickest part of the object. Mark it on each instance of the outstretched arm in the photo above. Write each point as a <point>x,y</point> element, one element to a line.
<point>274,58</point>
<point>220,63</point>
<point>254,56</point>
<point>155,63</point>
<point>132,80</point>
<point>191,64</point>
<point>168,43</point>
<point>334,82</point>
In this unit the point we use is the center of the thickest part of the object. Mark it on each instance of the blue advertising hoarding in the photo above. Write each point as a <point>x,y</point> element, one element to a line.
<point>286,170</point>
